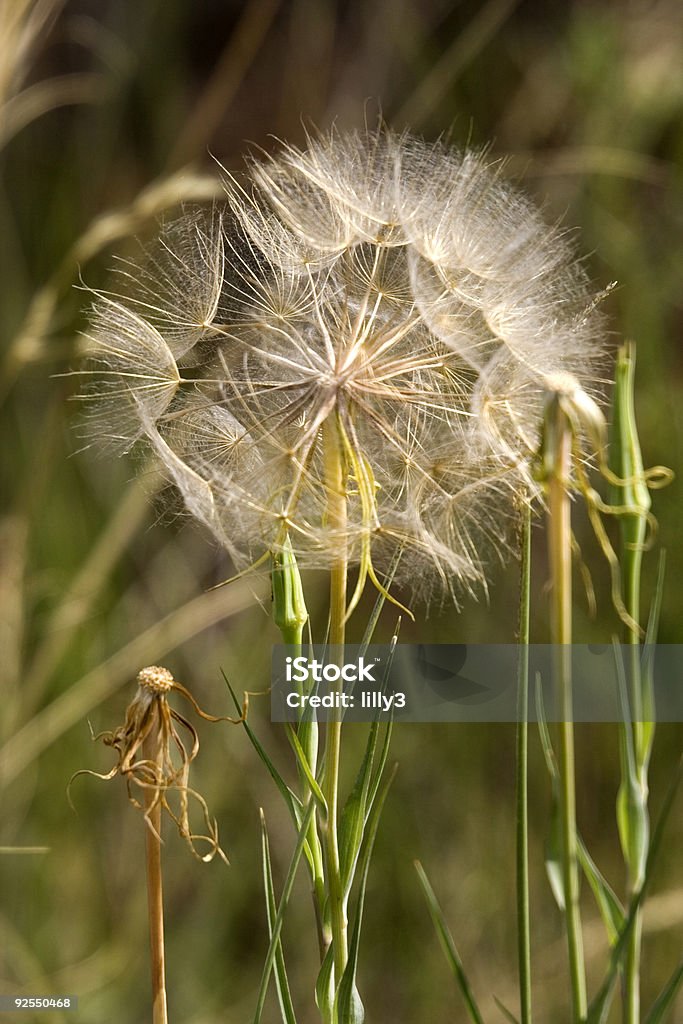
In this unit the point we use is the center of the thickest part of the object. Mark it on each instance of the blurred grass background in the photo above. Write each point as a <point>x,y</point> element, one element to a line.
<point>109,110</point>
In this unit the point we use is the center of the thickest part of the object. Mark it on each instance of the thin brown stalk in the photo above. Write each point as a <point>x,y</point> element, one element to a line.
<point>559,525</point>
<point>152,753</point>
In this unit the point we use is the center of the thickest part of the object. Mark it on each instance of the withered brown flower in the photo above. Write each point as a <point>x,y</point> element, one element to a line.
<point>155,747</point>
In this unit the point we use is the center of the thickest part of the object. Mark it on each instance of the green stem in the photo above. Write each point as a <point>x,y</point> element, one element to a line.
<point>632,494</point>
<point>335,479</point>
<point>559,521</point>
<point>632,567</point>
<point>290,616</point>
<point>522,837</point>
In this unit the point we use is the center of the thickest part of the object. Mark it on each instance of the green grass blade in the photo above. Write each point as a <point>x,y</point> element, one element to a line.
<point>504,1010</point>
<point>359,804</point>
<point>647,667</point>
<point>553,844</point>
<point>596,1012</point>
<point>352,824</point>
<point>279,917</point>
<point>544,734</point>
<point>381,764</point>
<point>665,999</point>
<point>553,855</point>
<point>302,761</point>
<point>632,813</point>
<point>449,948</point>
<point>281,982</point>
<point>384,752</point>
<point>290,798</point>
<point>349,1007</point>
<point>324,988</point>
<point>379,604</point>
<point>611,910</point>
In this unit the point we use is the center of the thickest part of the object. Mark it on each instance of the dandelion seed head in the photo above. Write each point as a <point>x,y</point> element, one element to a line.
<point>400,295</point>
<point>155,678</point>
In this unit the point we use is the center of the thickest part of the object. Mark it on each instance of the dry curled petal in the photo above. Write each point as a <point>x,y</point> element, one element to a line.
<point>164,779</point>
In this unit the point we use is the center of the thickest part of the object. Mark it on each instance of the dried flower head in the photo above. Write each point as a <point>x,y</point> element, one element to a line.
<point>397,297</point>
<point>154,757</point>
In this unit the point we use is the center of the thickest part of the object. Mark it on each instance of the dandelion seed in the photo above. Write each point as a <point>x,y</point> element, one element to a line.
<point>176,285</point>
<point>135,376</point>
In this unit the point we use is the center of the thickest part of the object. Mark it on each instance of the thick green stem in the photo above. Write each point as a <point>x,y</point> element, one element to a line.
<point>335,479</point>
<point>559,523</point>
<point>522,838</point>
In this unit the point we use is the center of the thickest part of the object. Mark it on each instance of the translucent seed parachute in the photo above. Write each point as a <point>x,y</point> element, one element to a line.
<point>398,289</point>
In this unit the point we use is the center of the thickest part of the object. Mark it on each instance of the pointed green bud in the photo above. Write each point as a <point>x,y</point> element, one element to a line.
<point>289,607</point>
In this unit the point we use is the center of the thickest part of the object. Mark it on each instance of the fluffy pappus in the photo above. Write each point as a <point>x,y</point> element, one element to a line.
<point>396,296</point>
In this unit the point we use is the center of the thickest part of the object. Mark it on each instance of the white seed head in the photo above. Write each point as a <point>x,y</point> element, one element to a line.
<point>400,292</point>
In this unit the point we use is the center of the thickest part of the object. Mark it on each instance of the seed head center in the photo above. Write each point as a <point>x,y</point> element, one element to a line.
<point>155,678</point>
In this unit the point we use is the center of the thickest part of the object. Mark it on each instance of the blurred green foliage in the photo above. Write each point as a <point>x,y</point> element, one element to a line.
<point>100,98</point>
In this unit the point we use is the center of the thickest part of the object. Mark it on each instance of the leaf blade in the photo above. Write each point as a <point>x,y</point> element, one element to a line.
<point>281,980</point>
<point>449,947</point>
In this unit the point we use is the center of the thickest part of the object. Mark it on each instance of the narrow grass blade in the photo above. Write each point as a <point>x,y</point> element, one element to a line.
<point>324,988</point>
<point>553,844</point>
<point>352,824</point>
<point>665,1000</point>
<point>611,910</point>
<point>349,1007</point>
<point>381,763</point>
<point>303,763</point>
<point>276,928</point>
<point>382,759</point>
<point>359,804</point>
<point>292,801</point>
<point>553,856</point>
<point>290,798</point>
<point>544,734</point>
<point>647,667</point>
<point>449,948</point>
<point>632,813</point>
<point>379,604</point>
<point>281,981</point>
<point>504,1010</point>
<point>599,1010</point>
<point>596,1011</point>
<point>83,591</point>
